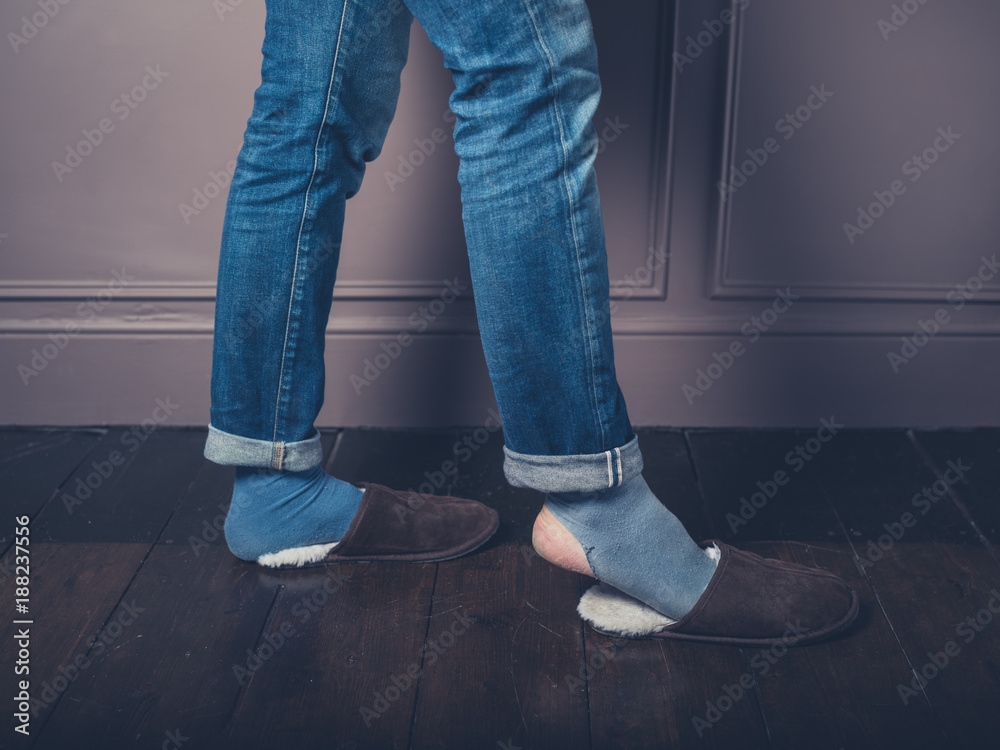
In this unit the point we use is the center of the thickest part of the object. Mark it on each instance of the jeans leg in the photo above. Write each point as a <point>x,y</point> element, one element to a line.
<point>526,89</point>
<point>329,88</point>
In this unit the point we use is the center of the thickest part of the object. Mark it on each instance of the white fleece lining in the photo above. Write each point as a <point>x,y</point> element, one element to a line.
<point>297,556</point>
<point>613,611</point>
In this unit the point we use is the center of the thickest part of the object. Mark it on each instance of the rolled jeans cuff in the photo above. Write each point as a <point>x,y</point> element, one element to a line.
<point>235,450</point>
<point>585,472</point>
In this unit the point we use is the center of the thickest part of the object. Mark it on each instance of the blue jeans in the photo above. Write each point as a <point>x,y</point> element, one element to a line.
<point>526,89</point>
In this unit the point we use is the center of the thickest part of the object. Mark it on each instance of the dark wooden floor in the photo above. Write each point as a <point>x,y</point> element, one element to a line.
<point>147,632</point>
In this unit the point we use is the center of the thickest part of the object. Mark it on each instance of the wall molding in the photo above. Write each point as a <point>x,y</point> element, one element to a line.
<point>724,287</point>
<point>462,322</point>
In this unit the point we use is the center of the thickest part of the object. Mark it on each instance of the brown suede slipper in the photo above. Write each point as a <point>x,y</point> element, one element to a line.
<point>750,601</point>
<point>401,527</point>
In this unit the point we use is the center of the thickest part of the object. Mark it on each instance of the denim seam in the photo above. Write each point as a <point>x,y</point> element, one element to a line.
<point>572,219</point>
<point>229,449</point>
<point>302,222</point>
<point>574,473</point>
<point>614,467</point>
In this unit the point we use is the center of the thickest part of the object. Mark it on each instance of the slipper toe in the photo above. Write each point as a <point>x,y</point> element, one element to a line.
<point>392,525</point>
<point>750,601</point>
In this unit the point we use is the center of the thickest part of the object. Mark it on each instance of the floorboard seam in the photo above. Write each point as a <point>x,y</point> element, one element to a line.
<point>272,611</point>
<point>706,513</point>
<point>423,654</point>
<point>892,628</point>
<point>586,672</point>
<point>59,487</point>
<point>745,657</point>
<point>96,638</point>
<point>955,498</point>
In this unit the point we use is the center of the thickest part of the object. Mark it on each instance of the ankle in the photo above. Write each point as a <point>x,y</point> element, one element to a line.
<point>274,512</point>
<point>553,542</point>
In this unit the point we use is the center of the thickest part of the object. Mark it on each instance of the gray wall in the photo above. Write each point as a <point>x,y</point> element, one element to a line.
<point>694,265</point>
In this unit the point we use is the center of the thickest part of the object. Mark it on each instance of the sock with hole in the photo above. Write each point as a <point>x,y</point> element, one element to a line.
<point>635,544</point>
<point>288,517</point>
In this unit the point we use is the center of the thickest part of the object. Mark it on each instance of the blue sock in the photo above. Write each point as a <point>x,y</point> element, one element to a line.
<point>634,543</point>
<point>275,510</point>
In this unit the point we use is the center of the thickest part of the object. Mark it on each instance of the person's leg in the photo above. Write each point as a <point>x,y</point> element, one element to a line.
<point>527,87</point>
<point>330,83</point>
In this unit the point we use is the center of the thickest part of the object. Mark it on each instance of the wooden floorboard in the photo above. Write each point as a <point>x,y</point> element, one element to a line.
<point>125,489</point>
<point>345,633</point>
<point>401,459</point>
<point>201,607</point>
<point>74,588</point>
<point>979,491</point>
<point>669,472</point>
<point>87,542</point>
<point>512,665</point>
<point>503,639</point>
<point>757,487</point>
<point>172,667</point>
<point>751,502</point>
<point>479,475</point>
<point>840,693</point>
<point>928,581</point>
<point>654,694</point>
<point>33,465</point>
